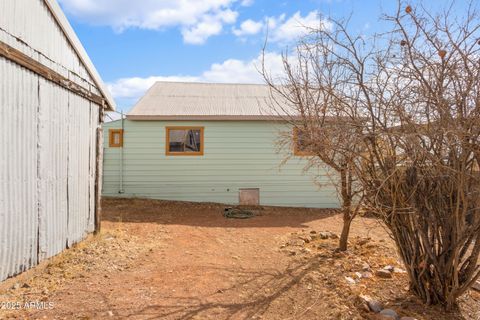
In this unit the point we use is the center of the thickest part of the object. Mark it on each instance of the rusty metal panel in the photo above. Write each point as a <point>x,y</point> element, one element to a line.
<point>18,169</point>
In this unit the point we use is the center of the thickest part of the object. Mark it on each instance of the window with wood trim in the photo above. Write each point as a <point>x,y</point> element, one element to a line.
<point>115,138</point>
<point>300,143</point>
<point>184,141</point>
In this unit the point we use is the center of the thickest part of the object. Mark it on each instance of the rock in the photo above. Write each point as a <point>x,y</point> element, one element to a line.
<point>408,318</point>
<point>110,313</point>
<point>358,275</point>
<point>366,267</point>
<point>383,317</point>
<point>476,286</point>
<point>375,306</point>
<point>306,250</point>
<point>372,304</point>
<point>389,268</point>
<point>390,313</point>
<point>350,280</point>
<point>327,235</point>
<point>296,242</point>
<point>367,275</point>
<point>16,286</point>
<point>313,232</point>
<point>384,274</point>
<point>361,242</point>
<point>399,270</point>
<point>292,252</point>
<point>25,285</point>
<point>324,235</point>
<point>365,307</point>
<point>306,238</point>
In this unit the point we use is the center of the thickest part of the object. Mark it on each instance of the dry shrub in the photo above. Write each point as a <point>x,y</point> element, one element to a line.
<point>416,93</point>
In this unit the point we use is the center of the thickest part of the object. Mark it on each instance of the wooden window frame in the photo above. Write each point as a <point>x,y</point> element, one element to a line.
<point>167,141</point>
<point>296,151</point>
<point>111,140</point>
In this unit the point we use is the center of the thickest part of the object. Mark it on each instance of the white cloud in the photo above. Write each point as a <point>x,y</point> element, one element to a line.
<point>287,30</point>
<point>229,71</point>
<point>282,29</point>
<point>135,87</point>
<point>239,71</point>
<point>248,27</point>
<point>247,3</point>
<point>209,26</point>
<point>197,20</point>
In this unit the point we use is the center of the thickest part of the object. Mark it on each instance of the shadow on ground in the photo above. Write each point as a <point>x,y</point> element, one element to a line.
<point>299,292</point>
<point>205,214</point>
<point>255,295</point>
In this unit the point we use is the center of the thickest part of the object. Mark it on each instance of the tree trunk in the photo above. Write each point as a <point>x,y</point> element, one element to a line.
<point>346,208</point>
<point>347,221</point>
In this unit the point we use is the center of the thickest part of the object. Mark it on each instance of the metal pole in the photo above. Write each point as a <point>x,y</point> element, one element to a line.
<point>121,155</point>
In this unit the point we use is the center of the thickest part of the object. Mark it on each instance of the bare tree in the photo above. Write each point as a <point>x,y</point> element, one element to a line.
<point>399,115</point>
<point>323,128</point>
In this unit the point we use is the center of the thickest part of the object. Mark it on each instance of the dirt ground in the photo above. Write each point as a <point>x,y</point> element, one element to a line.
<point>172,260</point>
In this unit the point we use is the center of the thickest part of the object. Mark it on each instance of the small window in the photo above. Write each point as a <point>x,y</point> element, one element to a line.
<point>116,138</point>
<point>184,141</point>
<point>300,143</point>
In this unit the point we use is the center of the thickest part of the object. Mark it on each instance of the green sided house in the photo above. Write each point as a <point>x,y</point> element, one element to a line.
<point>208,143</point>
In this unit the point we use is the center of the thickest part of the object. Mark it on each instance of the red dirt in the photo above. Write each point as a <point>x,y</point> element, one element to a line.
<point>186,261</point>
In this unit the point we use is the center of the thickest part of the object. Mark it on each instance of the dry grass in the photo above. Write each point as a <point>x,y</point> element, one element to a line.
<point>112,251</point>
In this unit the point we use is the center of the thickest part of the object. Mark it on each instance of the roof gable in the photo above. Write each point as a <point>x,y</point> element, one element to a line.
<point>70,34</point>
<point>39,30</point>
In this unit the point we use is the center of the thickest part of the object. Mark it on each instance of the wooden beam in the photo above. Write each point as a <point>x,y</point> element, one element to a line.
<point>98,174</point>
<point>25,61</point>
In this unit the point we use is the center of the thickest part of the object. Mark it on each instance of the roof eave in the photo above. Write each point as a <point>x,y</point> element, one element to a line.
<point>62,21</point>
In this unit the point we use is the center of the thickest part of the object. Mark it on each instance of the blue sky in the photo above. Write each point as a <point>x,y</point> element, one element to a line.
<point>134,43</point>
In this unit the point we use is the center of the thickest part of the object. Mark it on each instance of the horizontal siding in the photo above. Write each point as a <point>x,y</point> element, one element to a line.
<point>237,154</point>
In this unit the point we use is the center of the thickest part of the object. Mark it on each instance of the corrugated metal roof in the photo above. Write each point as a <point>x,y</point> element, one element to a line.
<point>80,50</point>
<point>206,101</point>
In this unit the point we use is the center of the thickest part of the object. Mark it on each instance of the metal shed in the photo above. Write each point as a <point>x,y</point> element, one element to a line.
<point>51,105</point>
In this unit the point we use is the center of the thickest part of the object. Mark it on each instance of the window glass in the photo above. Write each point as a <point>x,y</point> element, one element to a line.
<point>185,140</point>
<point>301,146</point>
<point>116,138</point>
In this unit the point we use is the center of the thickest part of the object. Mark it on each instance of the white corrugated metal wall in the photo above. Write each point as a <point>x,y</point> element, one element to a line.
<point>47,143</point>
<point>18,169</point>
